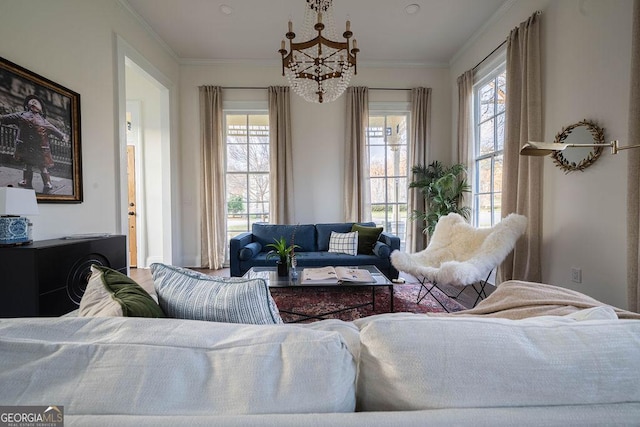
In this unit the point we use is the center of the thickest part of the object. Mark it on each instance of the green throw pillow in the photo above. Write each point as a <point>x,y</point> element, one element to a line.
<point>111,293</point>
<point>367,238</point>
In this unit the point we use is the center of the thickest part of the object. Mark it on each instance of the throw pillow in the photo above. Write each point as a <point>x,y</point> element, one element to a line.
<point>188,294</point>
<point>367,238</point>
<point>344,243</point>
<point>252,249</point>
<point>111,293</point>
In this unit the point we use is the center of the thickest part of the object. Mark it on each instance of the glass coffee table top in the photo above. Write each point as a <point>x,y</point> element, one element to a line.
<point>270,275</point>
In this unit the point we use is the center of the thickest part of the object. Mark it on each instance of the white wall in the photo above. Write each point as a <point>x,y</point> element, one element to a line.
<point>585,71</point>
<point>72,42</point>
<point>317,133</point>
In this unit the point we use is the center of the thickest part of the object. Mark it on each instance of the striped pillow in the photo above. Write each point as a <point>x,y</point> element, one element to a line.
<point>188,294</point>
<point>344,243</point>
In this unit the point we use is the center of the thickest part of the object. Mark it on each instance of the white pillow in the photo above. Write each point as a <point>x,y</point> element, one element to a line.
<point>179,371</point>
<point>188,294</point>
<point>594,313</point>
<point>344,243</point>
<point>525,363</point>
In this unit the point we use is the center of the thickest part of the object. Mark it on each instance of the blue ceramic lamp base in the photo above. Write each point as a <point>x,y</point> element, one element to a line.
<point>14,231</point>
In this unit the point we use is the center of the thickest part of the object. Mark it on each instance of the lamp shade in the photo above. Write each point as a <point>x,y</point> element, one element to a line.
<point>18,201</point>
<point>533,148</point>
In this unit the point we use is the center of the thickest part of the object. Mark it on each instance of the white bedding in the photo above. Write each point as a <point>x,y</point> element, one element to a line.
<point>168,367</point>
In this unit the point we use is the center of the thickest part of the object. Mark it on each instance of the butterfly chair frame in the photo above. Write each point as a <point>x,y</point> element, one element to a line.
<point>460,255</point>
<point>429,291</point>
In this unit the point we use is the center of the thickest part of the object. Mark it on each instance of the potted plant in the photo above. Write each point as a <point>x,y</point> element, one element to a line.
<point>443,189</point>
<point>283,252</point>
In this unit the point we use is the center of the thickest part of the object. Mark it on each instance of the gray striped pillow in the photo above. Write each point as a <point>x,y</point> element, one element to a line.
<point>188,294</point>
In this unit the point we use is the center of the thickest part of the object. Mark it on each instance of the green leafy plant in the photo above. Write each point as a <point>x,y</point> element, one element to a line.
<point>443,189</point>
<point>281,250</point>
<point>235,205</point>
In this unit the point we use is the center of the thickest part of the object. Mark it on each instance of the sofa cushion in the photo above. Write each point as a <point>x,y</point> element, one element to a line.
<point>323,259</point>
<point>305,235</point>
<point>188,294</point>
<point>367,238</point>
<point>249,251</point>
<point>435,362</point>
<point>344,243</point>
<point>324,231</point>
<point>111,293</point>
<point>381,250</point>
<point>159,367</point>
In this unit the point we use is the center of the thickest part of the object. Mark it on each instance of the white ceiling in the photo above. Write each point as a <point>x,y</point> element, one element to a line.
<point>197,30</point>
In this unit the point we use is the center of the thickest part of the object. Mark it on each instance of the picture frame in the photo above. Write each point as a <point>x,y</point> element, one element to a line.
<point>40,138</point>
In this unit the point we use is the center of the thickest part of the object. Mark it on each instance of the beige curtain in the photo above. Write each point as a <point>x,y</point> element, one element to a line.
<point>465,117</point>
<point>633,170</point>
<point>213,213</point>
<point>465,126</point>
<point>522,175</point>
<point>356,162</point>
<point>418,155</point>
<point>281,209</point>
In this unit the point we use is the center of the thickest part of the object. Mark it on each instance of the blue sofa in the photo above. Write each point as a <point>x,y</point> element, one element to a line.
<point>250,249</point>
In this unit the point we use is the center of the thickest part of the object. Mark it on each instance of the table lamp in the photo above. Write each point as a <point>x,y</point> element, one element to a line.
<point>14,228</point>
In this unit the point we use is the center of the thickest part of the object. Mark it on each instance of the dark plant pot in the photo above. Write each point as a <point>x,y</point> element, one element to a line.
<point>283,268</point>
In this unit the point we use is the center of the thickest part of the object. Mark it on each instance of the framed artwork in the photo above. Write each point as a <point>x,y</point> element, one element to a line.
<point>39,135</point>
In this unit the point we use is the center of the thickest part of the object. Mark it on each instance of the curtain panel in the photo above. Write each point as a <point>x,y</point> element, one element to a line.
<point>633,170</point>
<point>281,207</point>
<point>213,212</point>
<point>522,175</point>
<point>357,205</point>
<point>465,126</point>
<point>418,155</point>
<point>465,117</point>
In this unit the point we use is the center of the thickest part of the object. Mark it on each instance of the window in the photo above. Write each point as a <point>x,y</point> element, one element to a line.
<point>489,96</point>
<point>247,170</point>
<point>387,144</point>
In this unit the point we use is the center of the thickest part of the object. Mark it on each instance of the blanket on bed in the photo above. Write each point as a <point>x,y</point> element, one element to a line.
<point>516,299</point>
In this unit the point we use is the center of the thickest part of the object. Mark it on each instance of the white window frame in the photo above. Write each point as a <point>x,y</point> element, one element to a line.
<point>386,109</point>
<point>483,76</point>
<point>246,109</point>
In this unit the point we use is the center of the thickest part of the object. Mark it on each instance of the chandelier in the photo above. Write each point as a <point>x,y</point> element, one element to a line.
<point>319,69</point>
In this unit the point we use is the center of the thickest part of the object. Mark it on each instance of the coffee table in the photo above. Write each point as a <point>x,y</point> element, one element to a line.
<point>270,275</point>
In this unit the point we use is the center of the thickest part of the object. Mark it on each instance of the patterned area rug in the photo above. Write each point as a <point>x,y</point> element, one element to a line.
<point>314,301</point>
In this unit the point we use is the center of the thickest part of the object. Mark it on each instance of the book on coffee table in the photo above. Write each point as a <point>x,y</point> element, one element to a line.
<point>334,275</point>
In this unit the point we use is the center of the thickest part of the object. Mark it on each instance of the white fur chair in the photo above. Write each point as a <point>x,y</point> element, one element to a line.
<point>460,255</point>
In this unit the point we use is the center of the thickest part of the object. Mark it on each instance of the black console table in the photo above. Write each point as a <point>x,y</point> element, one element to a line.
<point>48,277</point>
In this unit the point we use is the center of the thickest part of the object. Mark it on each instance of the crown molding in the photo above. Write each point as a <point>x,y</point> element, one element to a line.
<point>488,24</point>
<point>245,62</point>
<point>278,63</point>
<point>125,4</point>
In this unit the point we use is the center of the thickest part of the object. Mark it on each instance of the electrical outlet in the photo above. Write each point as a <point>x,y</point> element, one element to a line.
<point>576,275</point>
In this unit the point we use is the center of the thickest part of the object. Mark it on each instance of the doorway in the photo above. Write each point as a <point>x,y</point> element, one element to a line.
<point>146,165</point>
<point>133,226</point>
